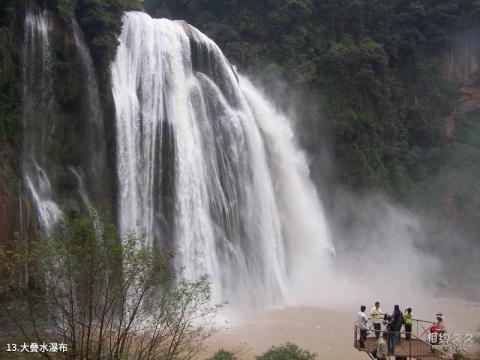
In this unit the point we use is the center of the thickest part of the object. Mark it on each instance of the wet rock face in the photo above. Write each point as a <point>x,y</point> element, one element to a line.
<point>449,205</point>
<point>463,64</point>
<point>466,66</point>
<point>449,125</point>
<point>7,196</point>
<point>5,210</point>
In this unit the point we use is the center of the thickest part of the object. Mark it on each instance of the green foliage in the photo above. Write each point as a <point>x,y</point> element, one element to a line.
<point>9,73</point>
<point>455,170</point>
<point>376,68</point>
<point>7,12</point>
<point>100,20</point>
<point>66,8</point>
<point>101,23</point>
<point>104,296</point>
<point>223,355</point>
<point>286,352</point>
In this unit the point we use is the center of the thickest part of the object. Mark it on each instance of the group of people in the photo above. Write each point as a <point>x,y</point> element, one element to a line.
<point>392,324</point>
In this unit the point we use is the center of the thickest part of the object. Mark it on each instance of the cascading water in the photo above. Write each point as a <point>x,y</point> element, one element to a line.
<point>93,116</point>
<point>37,110</point>
<point>40,119</point>
<point>207,166</point>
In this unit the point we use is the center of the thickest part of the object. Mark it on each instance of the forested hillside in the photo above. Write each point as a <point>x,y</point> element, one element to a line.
<point>132,153</point>
<point>366,62</point>
<point>391,86</point>
<point>394,81</point>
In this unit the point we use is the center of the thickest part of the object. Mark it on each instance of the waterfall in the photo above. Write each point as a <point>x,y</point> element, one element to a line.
<point>93,116</point>
<point>208,167</point>
<point>82,189</point>
<point>41,166</point>
<point>37,116</point>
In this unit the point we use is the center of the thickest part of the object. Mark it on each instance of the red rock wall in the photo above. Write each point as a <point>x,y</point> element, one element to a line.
<point>463,65</point>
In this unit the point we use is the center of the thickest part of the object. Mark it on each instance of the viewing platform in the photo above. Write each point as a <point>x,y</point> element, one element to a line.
<point>418,347</point>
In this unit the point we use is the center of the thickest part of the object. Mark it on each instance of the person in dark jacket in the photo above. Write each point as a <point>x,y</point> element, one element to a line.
<point>397,321</point>
<point>390,334</point>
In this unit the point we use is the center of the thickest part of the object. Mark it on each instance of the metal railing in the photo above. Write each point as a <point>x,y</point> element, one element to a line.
<point>417,347</point>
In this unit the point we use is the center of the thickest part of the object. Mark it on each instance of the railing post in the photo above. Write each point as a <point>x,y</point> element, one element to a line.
<point>355,336</point>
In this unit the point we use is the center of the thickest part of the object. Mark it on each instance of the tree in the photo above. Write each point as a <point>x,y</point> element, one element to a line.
<point>104,298</point>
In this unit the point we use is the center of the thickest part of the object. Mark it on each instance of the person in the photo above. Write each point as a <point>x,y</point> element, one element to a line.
<point>408,323</point>
<point>397,321</point>
<point>390,334</point>
<point>362,325</point>
<point>436,331</point>
<point>377,314</point>
<point>382,348</point>
<point>440,325</point>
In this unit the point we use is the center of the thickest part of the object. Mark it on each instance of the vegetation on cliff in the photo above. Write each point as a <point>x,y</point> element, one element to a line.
<point>378,73</point>
<point>101,22</point>
<point>9,71</point>
<point>376,68</point>
<point>103,296</point>
<point>288,351</point>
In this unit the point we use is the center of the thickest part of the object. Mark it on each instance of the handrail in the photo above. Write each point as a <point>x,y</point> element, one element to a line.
<point>417,337</point>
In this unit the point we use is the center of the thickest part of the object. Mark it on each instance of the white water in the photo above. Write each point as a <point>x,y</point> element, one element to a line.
<point>37,103</point>
<point>39,107</point>
<point>209,168</point>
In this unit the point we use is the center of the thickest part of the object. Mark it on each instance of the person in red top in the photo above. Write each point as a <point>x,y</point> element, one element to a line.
<point>440,324</point>
<point>437,330</point>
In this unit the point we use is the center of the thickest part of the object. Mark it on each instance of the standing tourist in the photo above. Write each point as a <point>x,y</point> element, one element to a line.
<point>382,348</point>
<point>362,325</point>
<point>397,321</point>
<point>390,335</point>
<point>440,325</point>
<point>377,315</point>
<point>408,323</point>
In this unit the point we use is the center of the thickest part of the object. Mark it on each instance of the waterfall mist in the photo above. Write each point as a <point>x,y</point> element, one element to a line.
<point>382,250</point>
<point>209,168</point>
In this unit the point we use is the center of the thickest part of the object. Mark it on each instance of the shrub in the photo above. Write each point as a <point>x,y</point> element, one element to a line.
<point>103,297</point>
<point>223,355</point>
<point>287,352</point>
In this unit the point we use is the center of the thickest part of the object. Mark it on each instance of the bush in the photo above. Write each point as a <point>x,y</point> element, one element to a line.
<point>287,352</point>
<point>101,22</point>
<point>103,297</point>
<point>223,355</point>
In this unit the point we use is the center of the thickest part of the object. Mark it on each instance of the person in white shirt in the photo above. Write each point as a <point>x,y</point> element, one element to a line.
<point>362,325</point>
<point>377,316</point>
<point>382,348</point>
